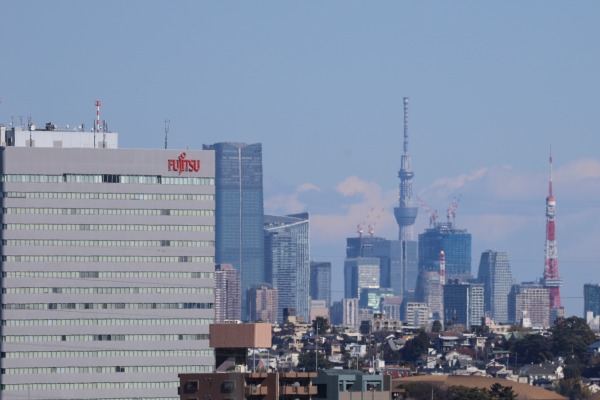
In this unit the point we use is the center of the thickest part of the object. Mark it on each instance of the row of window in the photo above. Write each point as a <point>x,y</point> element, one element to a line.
<point>108,290</point>
<point>107,370</point>
<point>108,322</point>
<point>108,353</point>
<point>107,274</point>
<point>108,227</point>
<point>111,259</point>
<point>108,243</point>
<point>108,178</point>
<point>106,306</point>
<point>102,338</point>
<point>90,386</point>
<point>108,211</point>
<point>107,196</point>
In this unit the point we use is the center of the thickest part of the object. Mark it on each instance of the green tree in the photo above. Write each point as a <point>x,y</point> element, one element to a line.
<point>462,392</point>
<point>436,326</point>
<point>415,347</point>
<point>306,361</point>
<point>497,391</point>
<point>322,324</point>
<point>571,337</point>
<point>532,348</point>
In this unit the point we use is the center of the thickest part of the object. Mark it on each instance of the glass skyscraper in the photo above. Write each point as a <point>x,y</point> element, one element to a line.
<point>287,261</point>
<point>591,298</point>
<point>494,273</point>
<point>463,303</point>
<point>389,254</point>
<point>239,215</point>
<point>455,243</point>
<point>320,281</point>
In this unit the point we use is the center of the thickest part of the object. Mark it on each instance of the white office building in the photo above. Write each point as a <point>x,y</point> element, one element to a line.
<point>107,266</point>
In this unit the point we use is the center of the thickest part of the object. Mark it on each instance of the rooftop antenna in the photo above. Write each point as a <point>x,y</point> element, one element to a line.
<point>97,130</point>
<point>29,126</point>
<point>104,130</point>
<point>167,123</point>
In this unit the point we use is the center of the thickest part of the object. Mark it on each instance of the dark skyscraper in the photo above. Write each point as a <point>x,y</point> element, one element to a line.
<point>463,303</point>
<point>591,298</point>
<point>406,214</point>
<point>387,251</point>
<point>455,243</point>
<point>239,216</point>
<point>494,273</point>
<point>320,281</point>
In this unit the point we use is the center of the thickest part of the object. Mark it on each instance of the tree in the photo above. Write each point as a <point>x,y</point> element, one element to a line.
<point>436,326</point>
<point>497,391</point>
<point>571,337</point>
<point>533,348</point>
<point>322,324</point>
<point>415,347</point>
<point>306,361</point>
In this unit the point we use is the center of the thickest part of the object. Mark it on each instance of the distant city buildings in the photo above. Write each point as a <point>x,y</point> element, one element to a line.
<point>239,217</point>
<point>496,277</point>
<point>261,303</point>
<point>350,315</point>
<point>430,291</point>
<point>455,243</point>
<point>387,251</point>
<point>287,261</point>
<point>463,303</point>
<point>591,299</point>
<point>227,293</point>
<point>360,273</point>
<point>416,314</point>
<point>530,299</point>
<point>320,281</point>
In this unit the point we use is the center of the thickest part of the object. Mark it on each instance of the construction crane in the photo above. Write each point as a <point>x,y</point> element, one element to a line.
<point>431,213</point>
<point>373,224</point>
<point>451,211</point>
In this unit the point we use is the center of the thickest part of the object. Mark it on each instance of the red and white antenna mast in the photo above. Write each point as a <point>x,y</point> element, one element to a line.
<point>97,130</point>
<point>442,268</point>
<point>552,280</point>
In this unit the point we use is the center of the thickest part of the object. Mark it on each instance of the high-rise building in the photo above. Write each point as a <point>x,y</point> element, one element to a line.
<point>530,298</point>
<point>360,273</point>
<point>227,293</point>
<point>239,218</point>
<point>415,314</point>
<point>463,303</point>
<point>320,281</point>
<point>287,261</point>
<point>350,316</point>
<point>261,303</point>
<point>387,251</point>
<point>107,266</point>
<point>373,298</point>
<point>551,279</point>
<point>406,214</point>
<point>591,299</point>
<point>495,274</point>
<point>455,243</point>
<point>430,291</point>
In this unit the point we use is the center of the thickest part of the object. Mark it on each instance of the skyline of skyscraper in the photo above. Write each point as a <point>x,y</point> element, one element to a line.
<point>533,299</point>
<point>495,274</point>
<point>287,261</point>
<point>463,303</point>
<point>239,216</point>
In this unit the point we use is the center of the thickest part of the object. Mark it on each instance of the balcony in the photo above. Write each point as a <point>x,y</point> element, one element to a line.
<point>255,391</point>
<point>300,390</point>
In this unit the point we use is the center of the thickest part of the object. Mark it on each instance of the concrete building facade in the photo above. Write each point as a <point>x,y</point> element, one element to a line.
<point>107,269</point>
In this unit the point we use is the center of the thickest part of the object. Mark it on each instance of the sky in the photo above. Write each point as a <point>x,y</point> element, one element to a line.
<point>492,85</point>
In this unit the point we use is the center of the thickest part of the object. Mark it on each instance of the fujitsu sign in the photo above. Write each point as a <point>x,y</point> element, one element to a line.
<point>183,165</point>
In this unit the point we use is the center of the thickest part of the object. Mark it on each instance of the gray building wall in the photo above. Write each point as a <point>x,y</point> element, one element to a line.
<point>107,288</point>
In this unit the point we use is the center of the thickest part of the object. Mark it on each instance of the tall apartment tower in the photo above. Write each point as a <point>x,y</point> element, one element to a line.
<point>530,298</point>
<point>495,274</point>
<point>360,273</point>
<point>227,293</point>
<point>406,214</point>
<point>287,261</point>
<point>591,299</point>
<point>551,279</point>
<point>320,281</point>
<point>107,266</point>
<point>261,303</point>
<point>239,218</point>
<point>431,292</point>
<point>463,303</point>
<point>456,245</point>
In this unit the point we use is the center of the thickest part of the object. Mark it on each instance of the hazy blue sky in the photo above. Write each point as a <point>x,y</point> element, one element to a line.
<point>491,84</point>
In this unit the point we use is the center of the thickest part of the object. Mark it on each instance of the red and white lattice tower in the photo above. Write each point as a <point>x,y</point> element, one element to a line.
<point>442,268</point>
<point>551,279</point>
